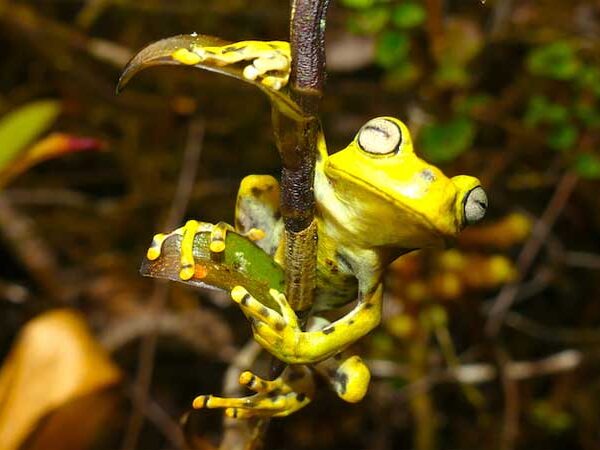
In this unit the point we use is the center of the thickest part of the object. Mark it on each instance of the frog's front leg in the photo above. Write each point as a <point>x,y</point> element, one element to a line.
<point>218,233</point>
<point>293,390</point>
<point>280,333</point>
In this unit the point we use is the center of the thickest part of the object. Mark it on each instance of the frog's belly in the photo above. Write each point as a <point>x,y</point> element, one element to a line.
<point>334,289</point>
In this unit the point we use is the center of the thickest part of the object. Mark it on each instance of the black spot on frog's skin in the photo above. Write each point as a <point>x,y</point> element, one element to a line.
<point>205,401</point>
<point>264,385</point>
<point>264,311</point>
<point>279,326</point>
<point>328,330</point>
<point>256,191</point>
<point>251,381</point>
<point>427,175</point>
<point>231,48</point>
<point>343,262</point>
<point>274,394</point>
<point>245,299</point>
<point>338,357</point>
<point>340,380</point>
<point>300,396</point>
<point>368,305</point>
<point>235,413</point>
<point>351,322</point>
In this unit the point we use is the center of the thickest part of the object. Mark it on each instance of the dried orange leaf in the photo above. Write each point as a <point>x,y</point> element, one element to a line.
<point>55,360</point>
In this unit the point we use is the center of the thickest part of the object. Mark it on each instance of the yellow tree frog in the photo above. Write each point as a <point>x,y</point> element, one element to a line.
<point>375,200</point>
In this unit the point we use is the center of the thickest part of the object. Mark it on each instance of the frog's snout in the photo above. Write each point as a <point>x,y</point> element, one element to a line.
<point>475,205</point>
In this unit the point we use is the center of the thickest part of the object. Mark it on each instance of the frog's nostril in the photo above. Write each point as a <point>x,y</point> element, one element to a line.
<point>475,205</point>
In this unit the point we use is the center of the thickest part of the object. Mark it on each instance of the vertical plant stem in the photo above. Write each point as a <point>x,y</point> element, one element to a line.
<point>297,142</point>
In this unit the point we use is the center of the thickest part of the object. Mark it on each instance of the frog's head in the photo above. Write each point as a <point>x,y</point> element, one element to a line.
<point>392,197</point>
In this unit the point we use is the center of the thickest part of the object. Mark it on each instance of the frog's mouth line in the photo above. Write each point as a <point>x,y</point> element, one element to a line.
<point>336,172</point>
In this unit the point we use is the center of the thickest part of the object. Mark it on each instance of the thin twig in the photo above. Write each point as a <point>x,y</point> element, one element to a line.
<point>512,404</point>
<point>159,417</point>
<point>158,299</point>
<point>240,434</point>
<point>573,336</point>
<point>31,250</point>
<point>530,250</point>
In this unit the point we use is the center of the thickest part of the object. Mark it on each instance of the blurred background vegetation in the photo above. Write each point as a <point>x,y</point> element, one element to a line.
<point>491,344</point>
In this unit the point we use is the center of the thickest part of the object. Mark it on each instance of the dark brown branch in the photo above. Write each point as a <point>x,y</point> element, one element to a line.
<point>297,143</point>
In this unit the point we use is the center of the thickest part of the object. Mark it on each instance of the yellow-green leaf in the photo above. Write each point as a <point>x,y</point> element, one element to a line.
<point>21,127</point>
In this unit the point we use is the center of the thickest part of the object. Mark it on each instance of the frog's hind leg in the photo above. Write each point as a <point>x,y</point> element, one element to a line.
<point>345,373</point>
<point>257,211</point>
<point>293,390</point>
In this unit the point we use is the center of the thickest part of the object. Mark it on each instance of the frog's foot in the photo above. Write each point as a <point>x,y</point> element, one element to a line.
<point>349,376</point>
<point>293,390</point>
<point>269,62</point>
<point>271,69</point>
<point>279,332</point>
<point>187,233</point>
<point>275,331</point>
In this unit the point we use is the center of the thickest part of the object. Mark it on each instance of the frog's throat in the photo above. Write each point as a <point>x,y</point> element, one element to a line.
<point>444,237</point>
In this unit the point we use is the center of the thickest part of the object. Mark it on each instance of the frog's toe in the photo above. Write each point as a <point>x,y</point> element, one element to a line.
<point>288,314</point>
<point>217,237</point>
<point>259,313</point>
<point>155,248</point>
<point>274,82</point>
<point>349,379</point>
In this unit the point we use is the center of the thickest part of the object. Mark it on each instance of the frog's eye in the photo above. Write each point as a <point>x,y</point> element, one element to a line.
<point>476,204</point>
<point>380,137</point>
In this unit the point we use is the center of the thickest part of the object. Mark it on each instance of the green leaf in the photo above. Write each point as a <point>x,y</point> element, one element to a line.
<point>392,49</point>
<point>588,114</point>
<point>589,79</point>
<point>587,166</point>
<point>563,137</point>
<point>369,22</point>
<point>358,4</point>
<point>451,75</point>
<point>242,263</point>
<point>541,110</point>
<point>443,142</point>
<point>408,15</point>
<point>470,104</point>
<point>557,60</point>
<point>21,127</point>
<point>401,76</point>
